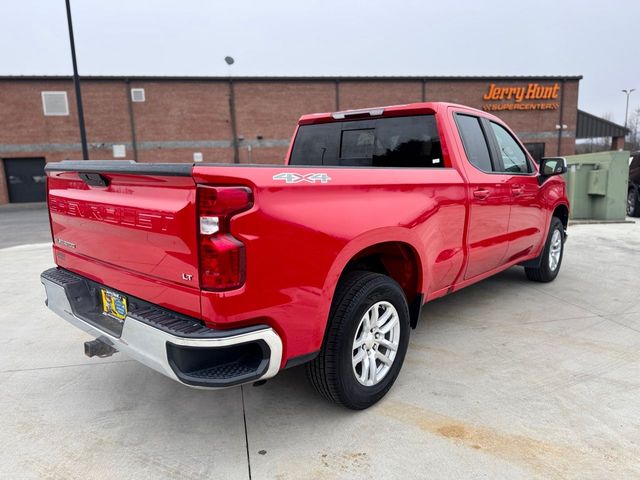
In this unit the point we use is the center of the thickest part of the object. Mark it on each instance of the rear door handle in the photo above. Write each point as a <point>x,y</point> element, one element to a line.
<point>481,193</point>
<point>517,189</point>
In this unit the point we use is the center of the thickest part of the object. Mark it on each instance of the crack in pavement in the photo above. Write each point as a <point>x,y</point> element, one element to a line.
<point>17,370</point>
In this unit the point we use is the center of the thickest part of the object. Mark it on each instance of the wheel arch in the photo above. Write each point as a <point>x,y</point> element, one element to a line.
<point>562,212</point>
<point>398,258</point>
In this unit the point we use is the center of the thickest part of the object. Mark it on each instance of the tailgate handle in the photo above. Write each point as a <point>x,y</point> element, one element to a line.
<point>94,179</point>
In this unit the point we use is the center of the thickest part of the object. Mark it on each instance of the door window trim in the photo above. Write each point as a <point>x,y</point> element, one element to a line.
<point>492,144</point>
<point>492,158</point>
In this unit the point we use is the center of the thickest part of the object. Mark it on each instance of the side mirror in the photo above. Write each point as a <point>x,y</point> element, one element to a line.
<point>553,166</point>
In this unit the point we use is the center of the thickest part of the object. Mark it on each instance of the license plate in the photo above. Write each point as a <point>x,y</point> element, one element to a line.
<point>114,304</point>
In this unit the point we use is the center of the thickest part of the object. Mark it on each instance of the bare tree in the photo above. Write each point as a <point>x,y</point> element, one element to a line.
<point>633,138</point>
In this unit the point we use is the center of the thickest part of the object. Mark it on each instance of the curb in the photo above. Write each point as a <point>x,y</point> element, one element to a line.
<point>598,222</point>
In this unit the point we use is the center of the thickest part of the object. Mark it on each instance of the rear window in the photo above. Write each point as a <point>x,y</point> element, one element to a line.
<point>382,142</point>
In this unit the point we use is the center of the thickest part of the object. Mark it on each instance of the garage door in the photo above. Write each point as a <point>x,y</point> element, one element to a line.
<point>26,180</point>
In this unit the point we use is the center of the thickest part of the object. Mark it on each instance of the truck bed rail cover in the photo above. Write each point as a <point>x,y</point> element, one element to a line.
<point>121,166</point>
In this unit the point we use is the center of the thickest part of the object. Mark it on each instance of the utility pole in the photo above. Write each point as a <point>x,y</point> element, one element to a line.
<point>76,84</point>
<point>232,113</point>
<point>626,111</point>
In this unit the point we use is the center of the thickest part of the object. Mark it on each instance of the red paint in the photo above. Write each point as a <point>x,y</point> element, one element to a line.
<point>139,234</point>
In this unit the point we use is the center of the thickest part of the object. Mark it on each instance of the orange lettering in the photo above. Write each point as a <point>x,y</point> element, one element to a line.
<point>489,94</point>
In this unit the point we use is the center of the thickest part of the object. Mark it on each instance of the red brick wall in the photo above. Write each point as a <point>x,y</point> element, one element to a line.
<point>375,94</point>
<point>182,111</point>
<point>22,120</point>
<point>271,109</point>
<point>523,122</point>
<point>179,113</point>
<point>4,193</point>
<point>185,155</point>
<point>106,114</point>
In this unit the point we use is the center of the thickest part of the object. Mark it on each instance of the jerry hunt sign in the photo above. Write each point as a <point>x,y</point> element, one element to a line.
<point>521,97</point>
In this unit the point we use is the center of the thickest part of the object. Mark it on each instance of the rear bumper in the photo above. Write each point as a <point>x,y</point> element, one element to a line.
<point>177,346</point>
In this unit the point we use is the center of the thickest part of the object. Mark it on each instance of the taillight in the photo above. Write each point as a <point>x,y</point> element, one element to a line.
<point>222,256</point>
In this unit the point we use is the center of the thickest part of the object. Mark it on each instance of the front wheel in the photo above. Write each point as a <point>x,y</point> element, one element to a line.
<point>365,343</point>
<point>551,255</point>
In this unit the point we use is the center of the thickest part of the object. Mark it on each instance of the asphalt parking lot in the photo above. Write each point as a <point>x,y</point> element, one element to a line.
<point>20,224</point>
<point>505,379</point>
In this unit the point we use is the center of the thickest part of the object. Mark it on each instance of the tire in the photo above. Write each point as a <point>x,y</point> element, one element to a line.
<point>361,294</point>
<point>633,203</point>
<point>548,269</point>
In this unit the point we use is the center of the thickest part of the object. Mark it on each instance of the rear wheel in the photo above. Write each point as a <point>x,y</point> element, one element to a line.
<point>551,255</point>
<point>365,343</point>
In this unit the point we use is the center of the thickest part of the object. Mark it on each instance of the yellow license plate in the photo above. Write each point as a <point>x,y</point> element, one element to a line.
<point>114,304</point>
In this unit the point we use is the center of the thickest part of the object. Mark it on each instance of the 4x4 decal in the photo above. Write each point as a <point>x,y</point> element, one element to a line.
<point>290,177</point>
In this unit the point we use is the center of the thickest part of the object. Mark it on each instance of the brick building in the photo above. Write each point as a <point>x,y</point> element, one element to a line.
<point>170,119</point>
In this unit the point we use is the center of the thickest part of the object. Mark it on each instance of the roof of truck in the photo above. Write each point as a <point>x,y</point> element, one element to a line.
<point>419,108</point>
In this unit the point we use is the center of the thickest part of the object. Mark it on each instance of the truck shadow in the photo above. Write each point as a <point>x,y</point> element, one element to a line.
<point>447,312</point>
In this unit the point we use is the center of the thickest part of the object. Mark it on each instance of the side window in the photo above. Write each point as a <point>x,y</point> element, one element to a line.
<point>475,144</point>
<point>316,145</point>
<point>513,157</point>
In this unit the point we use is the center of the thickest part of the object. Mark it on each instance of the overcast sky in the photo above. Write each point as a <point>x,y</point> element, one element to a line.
<point>307,37</point>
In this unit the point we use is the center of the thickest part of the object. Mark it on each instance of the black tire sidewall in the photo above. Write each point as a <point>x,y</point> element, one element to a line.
<point>355,394</point>
<point>556,224</point>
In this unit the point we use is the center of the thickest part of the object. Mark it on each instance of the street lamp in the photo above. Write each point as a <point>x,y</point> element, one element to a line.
<point>626,112</point>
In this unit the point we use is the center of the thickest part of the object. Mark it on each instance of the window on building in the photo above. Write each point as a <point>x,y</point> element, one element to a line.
<point>474,141</point>
<point>383,142</point>
<point>55,103</point>
<point>514,159</point>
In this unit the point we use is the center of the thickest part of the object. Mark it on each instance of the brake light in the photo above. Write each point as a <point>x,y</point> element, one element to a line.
<point>222,256</point>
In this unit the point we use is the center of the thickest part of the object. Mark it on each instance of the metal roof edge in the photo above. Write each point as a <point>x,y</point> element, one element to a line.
<point>598,120</point>
<point>339,78</point>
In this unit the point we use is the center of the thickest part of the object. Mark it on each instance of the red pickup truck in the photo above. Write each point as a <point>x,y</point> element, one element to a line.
<point>218,275</point>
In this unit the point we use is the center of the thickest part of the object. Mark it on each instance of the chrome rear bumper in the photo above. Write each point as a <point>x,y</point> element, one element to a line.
<point>188,353</point>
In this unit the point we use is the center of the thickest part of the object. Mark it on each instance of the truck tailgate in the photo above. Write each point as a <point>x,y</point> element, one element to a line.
<point>130,226</point>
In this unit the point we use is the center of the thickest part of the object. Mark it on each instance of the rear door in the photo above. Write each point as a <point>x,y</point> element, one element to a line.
<point>526,218</point>
<point>489,198</point>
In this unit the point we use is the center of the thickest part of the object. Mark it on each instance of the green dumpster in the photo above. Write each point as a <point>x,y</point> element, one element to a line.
<point>597,185</point>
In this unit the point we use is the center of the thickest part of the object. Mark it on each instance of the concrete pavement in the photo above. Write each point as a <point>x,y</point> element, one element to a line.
<point>504,379</point>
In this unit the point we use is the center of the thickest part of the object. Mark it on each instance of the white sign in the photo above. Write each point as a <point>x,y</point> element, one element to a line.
<point>197,156</point>
<point>119,151</point>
